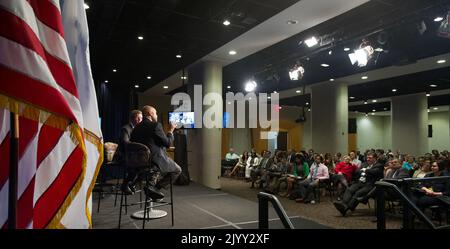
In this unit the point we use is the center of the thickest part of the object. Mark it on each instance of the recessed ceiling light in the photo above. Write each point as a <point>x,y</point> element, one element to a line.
<point>106,81</point>
<point>86,6</point>
<point>232,52</point>
<point>379,49</point>
<point>372,113</point>
<point>307,103</point>
<point>441,61</point>
<point>394,90</point>
<point>365,102</point>
<point>183,77</point>
<point>438,19</point>
<point>433,85</point>
<point>364,77</point>
<point>226,22</point>
<point>149,77</point>
<point>229,87</point>
<point>435,108</point>
<point>346,49</point>
<point>374,110</point>
<point>330,52</point>
<point>351,97</point>
<point>114,70</point>
<point>298,91</point>
<point>374,101</point>
<point>269,97</point>
<point>309,110</point>
<point>331,80</point>
<point>292,22</point>
<point>178,56</point>
<point>324,65</point>
<point>428,94</point>
<point>166,87</point>
<point>136,86</point>
<point>140,38</point>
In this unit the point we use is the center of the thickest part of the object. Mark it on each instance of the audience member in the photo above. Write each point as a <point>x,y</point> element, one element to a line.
<point>434,193</point>
<point>231,155</point>
<point>343,174</point>
<point>370,172</point>
<point>240,164</point>
<point>354,159</point>
<point>318,172</point>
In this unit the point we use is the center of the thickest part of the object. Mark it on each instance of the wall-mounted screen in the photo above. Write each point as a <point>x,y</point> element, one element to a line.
<point>182,119</point>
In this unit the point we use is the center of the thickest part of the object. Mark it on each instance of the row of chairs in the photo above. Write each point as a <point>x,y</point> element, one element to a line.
<point>136,155</point>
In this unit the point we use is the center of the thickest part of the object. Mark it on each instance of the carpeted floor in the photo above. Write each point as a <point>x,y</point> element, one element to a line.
<point>195,207</point>
<point>323,213</point>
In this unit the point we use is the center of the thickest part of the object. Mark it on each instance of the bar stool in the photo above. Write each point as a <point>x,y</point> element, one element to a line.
<point>138,156</point>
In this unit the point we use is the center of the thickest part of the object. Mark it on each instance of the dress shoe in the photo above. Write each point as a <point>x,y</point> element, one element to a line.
<point>342,208</point>
<point>153,193</point>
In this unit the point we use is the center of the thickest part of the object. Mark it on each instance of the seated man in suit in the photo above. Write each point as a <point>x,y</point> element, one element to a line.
<point>150,133</point>
<point>125,134</point>
<point>370,172</point>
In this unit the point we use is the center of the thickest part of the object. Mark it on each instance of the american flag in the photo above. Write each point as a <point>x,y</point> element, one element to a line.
<point>59,153</point>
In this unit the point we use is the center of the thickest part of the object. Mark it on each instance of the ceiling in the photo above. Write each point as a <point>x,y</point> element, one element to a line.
<point>194,30</point>
<point>191,29</point>
<point>403,47</point>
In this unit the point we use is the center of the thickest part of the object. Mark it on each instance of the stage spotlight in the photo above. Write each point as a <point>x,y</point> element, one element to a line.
<point>362,56</point>
<point>444,28</point>
<point>311,42</point>
<point>296,73</point>
<point>250,86</point>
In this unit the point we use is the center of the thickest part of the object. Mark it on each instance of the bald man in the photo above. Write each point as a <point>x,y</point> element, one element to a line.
<point>150,133</point>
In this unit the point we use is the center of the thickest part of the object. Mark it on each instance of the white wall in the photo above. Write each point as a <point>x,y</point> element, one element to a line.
<point>441,137</point>
<point>387,131</point>
<point>240,140</point>
<point>373,132</point>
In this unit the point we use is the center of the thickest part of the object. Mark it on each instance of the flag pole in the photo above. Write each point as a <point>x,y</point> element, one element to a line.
<point>13,167</point>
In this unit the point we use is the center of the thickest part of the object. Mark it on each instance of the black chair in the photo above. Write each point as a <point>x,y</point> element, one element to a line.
<point>227,166</point>
<point>108,165</point>
<point>138,157</point>
<point>325,184</point>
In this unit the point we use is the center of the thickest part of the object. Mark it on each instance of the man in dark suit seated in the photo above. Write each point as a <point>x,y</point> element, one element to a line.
<point>150,133</point>
<point>125,134</point>
<point>370,172</point>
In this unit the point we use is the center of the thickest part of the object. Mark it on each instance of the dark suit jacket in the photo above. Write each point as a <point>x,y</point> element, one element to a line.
<point>125,134</point>
<point>152,135</point>
<point>375,173</point>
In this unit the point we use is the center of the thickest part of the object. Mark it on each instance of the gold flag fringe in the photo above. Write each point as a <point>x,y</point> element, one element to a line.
<point>32,112</point>
<point>91,137</point>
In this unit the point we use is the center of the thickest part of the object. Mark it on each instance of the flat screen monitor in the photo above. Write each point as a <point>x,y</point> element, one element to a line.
<point>182,119</point>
